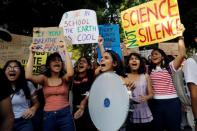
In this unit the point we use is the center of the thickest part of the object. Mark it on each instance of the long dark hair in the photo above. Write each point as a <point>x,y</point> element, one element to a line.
<point>142,67</point>
<point>119,69</point>
<point>90,73</point>
<point>21,82</point>
<point>164,63</point>
<point>4,81</point>
<point>49,59</point>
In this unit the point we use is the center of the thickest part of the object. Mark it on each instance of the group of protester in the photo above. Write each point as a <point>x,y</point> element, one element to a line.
<point>157,105</point>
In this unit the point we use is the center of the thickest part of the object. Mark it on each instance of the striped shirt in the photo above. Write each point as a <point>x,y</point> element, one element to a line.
<point>163,87</point>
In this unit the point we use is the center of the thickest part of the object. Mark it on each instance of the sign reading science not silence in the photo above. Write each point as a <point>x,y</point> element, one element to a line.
<point>150,23</point>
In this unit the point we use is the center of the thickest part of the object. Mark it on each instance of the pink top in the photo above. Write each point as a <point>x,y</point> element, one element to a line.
<point>56,97</point>
<point>162,84</point>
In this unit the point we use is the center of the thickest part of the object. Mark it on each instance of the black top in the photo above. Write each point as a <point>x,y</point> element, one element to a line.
<point>80,87</point>
<point>5,87</point>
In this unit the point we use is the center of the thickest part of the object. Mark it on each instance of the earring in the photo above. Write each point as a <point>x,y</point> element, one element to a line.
<point>163,62</point>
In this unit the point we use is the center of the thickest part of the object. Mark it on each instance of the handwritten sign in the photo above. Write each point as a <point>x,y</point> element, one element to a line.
<point>17,49</point>
<point>49,39</point>
<point>150,23</point>
<point>110,34</point>
<point>80,26</point>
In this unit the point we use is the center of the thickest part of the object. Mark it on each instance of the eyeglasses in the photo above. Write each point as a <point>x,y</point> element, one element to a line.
<point>15,68</point>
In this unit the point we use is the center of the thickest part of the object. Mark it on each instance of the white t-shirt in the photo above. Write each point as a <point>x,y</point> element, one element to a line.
<point>190,71</point>
<point>19,102</point>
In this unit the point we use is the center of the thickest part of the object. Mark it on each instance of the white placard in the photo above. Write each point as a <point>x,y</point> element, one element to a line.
<point>80,26</point>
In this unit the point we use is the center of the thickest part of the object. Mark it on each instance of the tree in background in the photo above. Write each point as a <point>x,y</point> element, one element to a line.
<point>110,14</point>
<point>20,17</point>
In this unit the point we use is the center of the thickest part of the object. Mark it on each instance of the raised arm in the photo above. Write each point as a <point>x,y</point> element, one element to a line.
<point>181,49</point>
<point>100,44</point>
<point>39,79</point>
<point>68,66</point>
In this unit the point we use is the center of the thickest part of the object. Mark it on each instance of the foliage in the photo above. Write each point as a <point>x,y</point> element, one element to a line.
<point>20,16</point>
<point>111,15</point>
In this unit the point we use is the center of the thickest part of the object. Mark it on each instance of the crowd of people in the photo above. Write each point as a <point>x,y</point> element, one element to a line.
<point>157,104</point>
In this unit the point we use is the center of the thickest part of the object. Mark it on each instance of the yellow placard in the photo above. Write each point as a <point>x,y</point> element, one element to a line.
<point>151,22</point>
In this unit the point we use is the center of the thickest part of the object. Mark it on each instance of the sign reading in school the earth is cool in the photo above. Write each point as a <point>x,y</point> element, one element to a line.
<point>80,26</point>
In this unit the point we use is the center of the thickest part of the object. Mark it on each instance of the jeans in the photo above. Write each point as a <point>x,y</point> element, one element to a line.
<point>60,120</point>
<point>37,120</point>
<point>21,124</point>
<point>166,114</point>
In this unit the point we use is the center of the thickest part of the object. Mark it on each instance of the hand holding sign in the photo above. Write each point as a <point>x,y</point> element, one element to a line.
<point>100,45</point>
<point>32,48</point>
<point>181,29</point>
<point>100,40</point>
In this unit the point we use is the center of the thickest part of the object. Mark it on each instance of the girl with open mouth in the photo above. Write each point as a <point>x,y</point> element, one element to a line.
<point>55,83</point>
<point>24,94</point>
<point>141,117</point>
